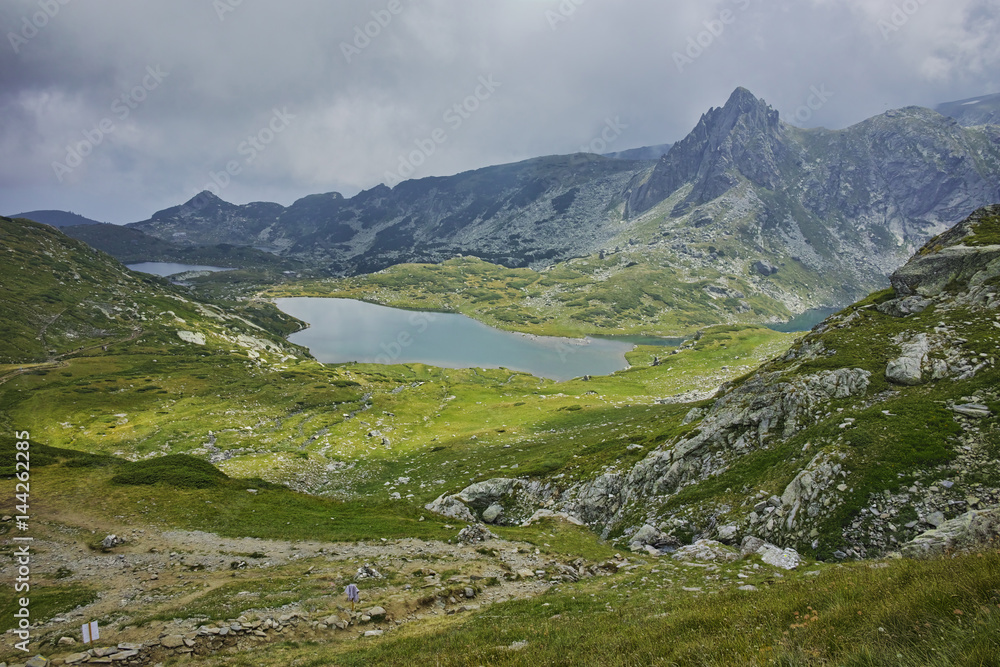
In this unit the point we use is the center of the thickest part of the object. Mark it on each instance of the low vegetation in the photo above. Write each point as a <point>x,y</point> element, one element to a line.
<point>612,295</point>
<point>153,410</point>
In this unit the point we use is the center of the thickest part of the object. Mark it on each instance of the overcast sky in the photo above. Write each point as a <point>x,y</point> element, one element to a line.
<point>117,108</point>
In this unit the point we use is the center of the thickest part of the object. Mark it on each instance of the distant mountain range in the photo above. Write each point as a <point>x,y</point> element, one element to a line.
<point>973,111</point>
<point>808,217</point>
<point>643,153</point>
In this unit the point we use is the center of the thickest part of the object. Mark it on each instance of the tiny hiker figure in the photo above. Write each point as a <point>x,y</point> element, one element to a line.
<point>353,594</point>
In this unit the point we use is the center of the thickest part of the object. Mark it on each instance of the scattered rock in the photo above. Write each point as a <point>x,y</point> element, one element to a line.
<point>649,536</point>
<point>368,572</point>
<point>707,551</point>
<point>474,534</point>
<point>111,541</point>
<point>974,410</point>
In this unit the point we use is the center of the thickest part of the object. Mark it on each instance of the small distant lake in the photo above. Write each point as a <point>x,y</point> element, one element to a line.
<point>170,268</point>
<point>343,330</point>
<point>804,321</point>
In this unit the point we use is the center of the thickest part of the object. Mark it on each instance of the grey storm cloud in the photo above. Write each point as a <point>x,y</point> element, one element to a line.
<point>115,108</point>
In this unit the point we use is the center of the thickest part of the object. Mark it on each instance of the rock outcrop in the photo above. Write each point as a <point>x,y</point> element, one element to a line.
<point>500,500</point>
<point>853,477</point>
<point>972,530</point>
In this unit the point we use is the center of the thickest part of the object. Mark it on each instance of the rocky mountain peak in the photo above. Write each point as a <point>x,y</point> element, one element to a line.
<point>742,109</point>
<point>205,202</point>
<point>741,138</point>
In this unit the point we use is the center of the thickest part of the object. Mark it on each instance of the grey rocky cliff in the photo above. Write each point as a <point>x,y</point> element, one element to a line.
<point>947,260</point>
<point>767,407</point>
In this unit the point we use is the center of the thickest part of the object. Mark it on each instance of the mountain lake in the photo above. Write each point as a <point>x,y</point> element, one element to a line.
<point>343,330</point>
<point>170,268</point>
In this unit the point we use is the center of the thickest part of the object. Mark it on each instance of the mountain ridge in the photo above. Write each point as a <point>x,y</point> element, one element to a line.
<point>841,208</point>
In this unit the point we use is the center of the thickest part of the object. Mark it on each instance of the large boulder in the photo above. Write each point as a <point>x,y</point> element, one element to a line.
<point>786,559</point>
<point>474,534</point>
<point>649,536</point>
<point>500,500</point>
<point>451,507</point>
<point>708,551</point>
<point>971,530</point>
<point>907,369</point>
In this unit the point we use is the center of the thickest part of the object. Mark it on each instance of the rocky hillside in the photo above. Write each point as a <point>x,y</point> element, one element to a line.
<point>129,245</point>
<point>517,214</point>
<point>60,297</point>
<point>849,205</point>
<point>879,425</point>
<point>58,294</point>
<point>57,218</point>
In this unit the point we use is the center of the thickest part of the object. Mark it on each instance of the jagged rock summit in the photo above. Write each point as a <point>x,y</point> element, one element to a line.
<point>745,136</point>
